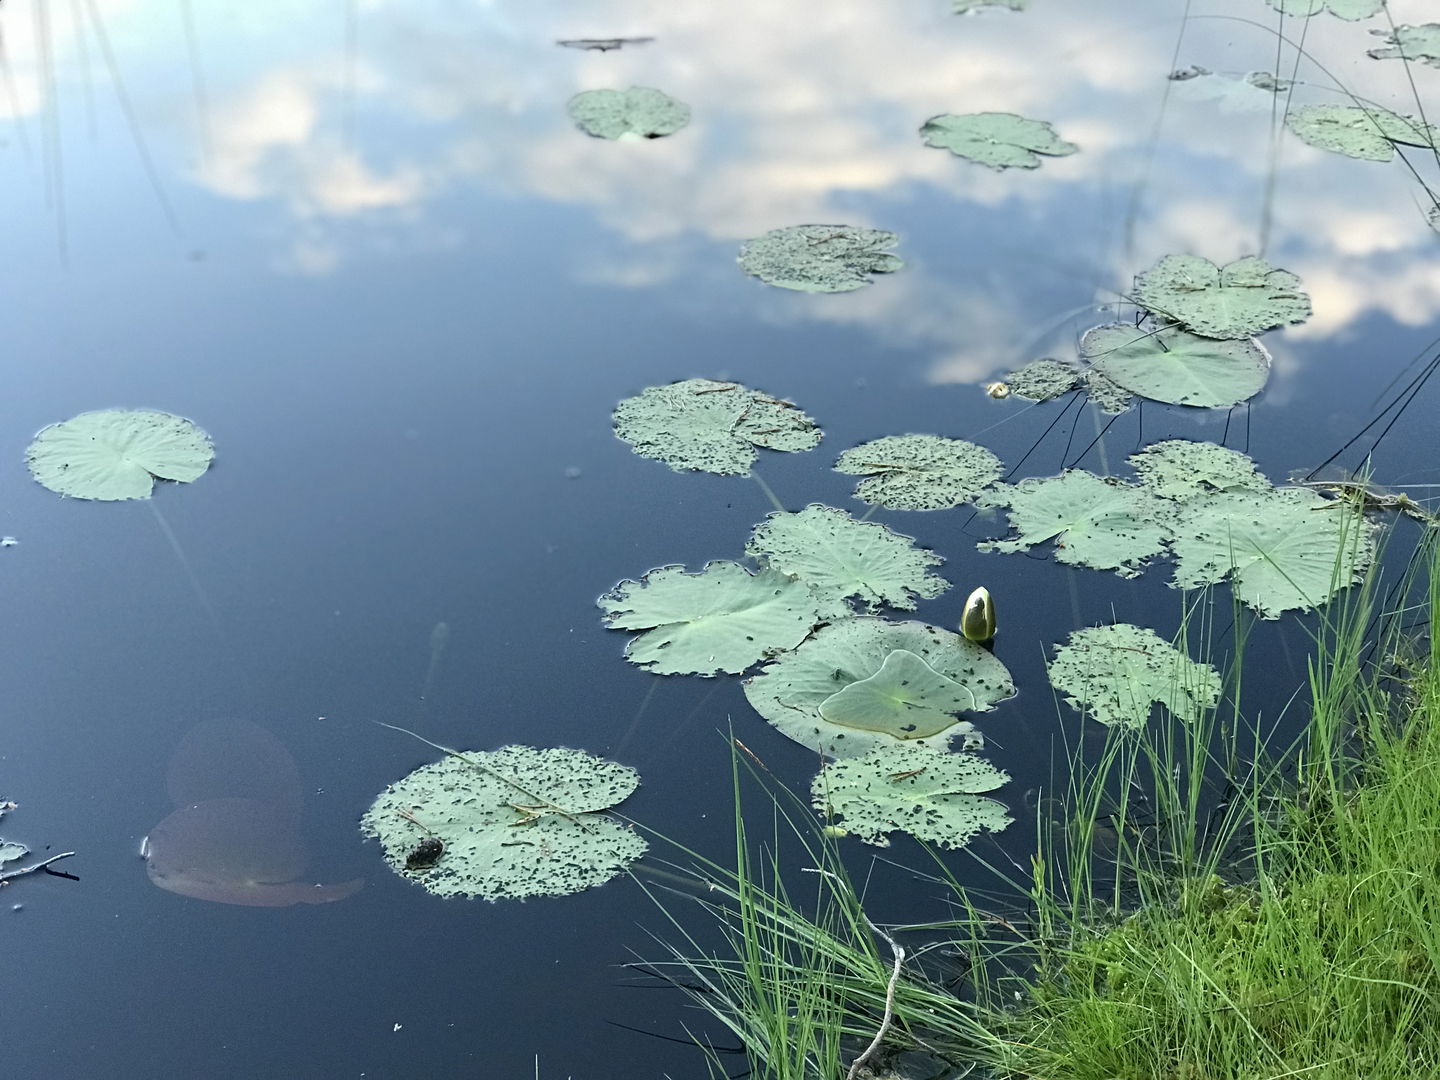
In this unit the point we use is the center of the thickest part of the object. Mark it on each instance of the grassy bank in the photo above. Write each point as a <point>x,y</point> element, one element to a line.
<point>1202,906</point>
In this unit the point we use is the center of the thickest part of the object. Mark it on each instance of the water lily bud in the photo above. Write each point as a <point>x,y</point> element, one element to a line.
<point>978,622</point>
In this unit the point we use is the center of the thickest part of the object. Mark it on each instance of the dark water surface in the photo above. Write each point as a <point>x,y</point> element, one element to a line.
<point>403,295</point>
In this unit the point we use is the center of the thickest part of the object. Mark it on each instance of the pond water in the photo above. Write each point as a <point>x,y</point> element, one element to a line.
<point>365,248</point>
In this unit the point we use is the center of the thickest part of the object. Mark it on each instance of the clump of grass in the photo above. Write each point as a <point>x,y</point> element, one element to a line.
<point>1191,917</point>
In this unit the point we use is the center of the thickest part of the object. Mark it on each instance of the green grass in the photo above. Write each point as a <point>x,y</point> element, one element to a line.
<point>1201,907</point>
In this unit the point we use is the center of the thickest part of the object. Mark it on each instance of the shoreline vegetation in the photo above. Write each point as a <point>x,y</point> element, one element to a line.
<point>1198,906</point>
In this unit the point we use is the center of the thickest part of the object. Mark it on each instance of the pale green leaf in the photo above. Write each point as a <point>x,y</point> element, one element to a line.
<point>10,851</point>
<point>1369,133</point>
<point>721,619</point>
<point>1412,43</point>
<point>906,698</point>
<point>838,556</point>
<point>919,472</point>
<point>609,114</point>
<point>1283,550</point>
<point>1116,673</point>
<point>965,7</point>
<point>1353,10</point>
<point>711,426</point>
<point>820,258</point>
<point>514,822</point>
<point>999,140</point>
<point>1238,300</point>
<point>118,453</point>
<point>1042,380</point>
<point>791,689</point>
<point>1100,523</point>
<point>1181,470</point>
<point>1177,367</point>
<point>909,787</point>
<point>1105,393</point>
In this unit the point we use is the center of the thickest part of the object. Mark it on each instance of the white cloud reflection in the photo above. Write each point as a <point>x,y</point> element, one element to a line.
<point>808,113</point>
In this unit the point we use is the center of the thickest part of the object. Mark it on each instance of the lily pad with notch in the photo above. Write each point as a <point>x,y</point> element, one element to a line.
<point>1237,300</point>
<point>710,426</point>
<point>1176,367</point>
<point>906,698</point>
<point>936,797</point>
<point>919,472</point>
<point>999,140</point>
<point>116,454</point>
<point>1369,133</point>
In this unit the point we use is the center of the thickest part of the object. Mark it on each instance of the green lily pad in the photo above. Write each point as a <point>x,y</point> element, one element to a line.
<point>1116,673</point>
<point>790,690</point>
<point>1043,380</point>
<point>906,698</point>
<point>820,258</point>
<point>1177,367</point>
<point>999,140</point>
<point>118,454</point>
<point>919,472</point>
<point>711,426</point>
<point>1288,549</point>
<point>910,787</point>
<point>840,557</point>
<point>1181,470</point>
<point>514,822</point>
<point>1411,43</point>
<point>721,619</point>
<point>1369,133</point>
<point>1101,523</point>
<point>609,114</point>
<point>1238,300</point>
<point>1353,10</point>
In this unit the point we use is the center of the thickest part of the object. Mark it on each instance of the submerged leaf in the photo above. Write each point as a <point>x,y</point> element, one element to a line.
<point>512,823</point>
<point>711,426</point>
<point>118,453</point>
<point>1042,380</point>
<point>820,258</point>
<point>1177,367</point>
<point>1283,550</point>
<point>838,556</point>
<point>721,619</point>
<point>909,787</point>
<point>790,691</point>
<point>1366,133</point>
<point>1238,300</point>
<point>1181,469</point>
<point>964,7</point>
<point>609,114</point>
<point>1353,10</point>
<point>1115,673</point>
<point>1105,524</point>
<point>1251,92</point>
<point>906,698</point>
<point>1412,43</point>
<point>919,472</point>
<point>1000,140</point>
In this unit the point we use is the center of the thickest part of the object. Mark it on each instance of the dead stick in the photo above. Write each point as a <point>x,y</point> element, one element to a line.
<point>13,874</point>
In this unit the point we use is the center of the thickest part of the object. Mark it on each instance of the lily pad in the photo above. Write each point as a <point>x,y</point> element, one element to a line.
<point>1043,380</point>
<point>1116,673</point>
<point>10,851</point>
<point>1181,470</point>
<point>919,472</point>
<point>999,140</point>
<point>1353,10</point>
<point>512,823</point>
<point>118,454</point>
<point>909,787</point>
<point>1177,367</point>
<point>840,557</point>
<point>711,426</point>
<point>1367,133</point>
<point>609,114</point>
<point>1411,43</point>
<point>791,689</point>
<point>1252,91</point>
<point>721,619</point>
<point>906,698</point>
<point>1101,523</point>
<point>820,258</point>
<point>1238,300</point>
<point>964,7</point>
<point>1288,549</point>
